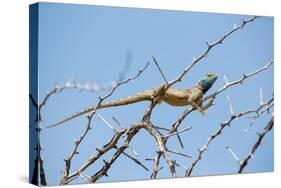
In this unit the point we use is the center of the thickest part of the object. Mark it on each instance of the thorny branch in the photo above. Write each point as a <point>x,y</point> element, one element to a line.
<point>256,116</point>
<point>211,46</point>
<point>156,168</point>
<point>239,81</point>
<point>68,177</point>
<point>132,130</point>
<point>161,146</point>
<point>120,150</point>
<point>134,160</point>
<point>221,128</point>
<point>243,163</point>
<point>268,127</point>
<point>74,151</point>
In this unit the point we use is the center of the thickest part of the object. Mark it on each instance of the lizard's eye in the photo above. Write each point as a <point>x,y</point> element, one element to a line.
<point>209,74</point>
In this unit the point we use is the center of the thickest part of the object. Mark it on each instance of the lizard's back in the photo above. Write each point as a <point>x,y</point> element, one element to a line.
<point>181,97</point>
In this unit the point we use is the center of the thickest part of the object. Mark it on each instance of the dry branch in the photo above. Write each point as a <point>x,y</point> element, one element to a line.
<point>239,81</point>
<point>134,160</point>
<point>67,177</point>
<point>224,124</point>
<point>256,145</point>
<point>107,164</point>
<point>132,130</point>
<point>74,151</point>
<point>243,163</point>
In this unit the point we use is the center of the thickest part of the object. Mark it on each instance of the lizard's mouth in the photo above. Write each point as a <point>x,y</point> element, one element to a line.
<point>215,78</point>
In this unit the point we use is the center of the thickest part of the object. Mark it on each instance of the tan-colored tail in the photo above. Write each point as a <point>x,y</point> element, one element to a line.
<point>89,109</point>
<point>132,99</point>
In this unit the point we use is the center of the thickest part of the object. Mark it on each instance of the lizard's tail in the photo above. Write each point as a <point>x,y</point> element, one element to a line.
<point>86,110</point>
<point>136,98</point>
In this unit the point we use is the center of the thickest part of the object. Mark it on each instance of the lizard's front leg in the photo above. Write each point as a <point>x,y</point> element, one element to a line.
<point>202,108</point>
<point>197,107</point>
<point>209,104</point>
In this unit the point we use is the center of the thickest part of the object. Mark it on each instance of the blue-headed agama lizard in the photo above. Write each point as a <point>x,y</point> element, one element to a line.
<point>175,97</point>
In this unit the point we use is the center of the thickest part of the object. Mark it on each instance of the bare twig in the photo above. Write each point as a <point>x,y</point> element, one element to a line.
<point>117,122</point>
<point>106,123</point>
<point>226,80</point>
<point>84,176</point>
<point>161,128</point>
<point>256,145</point>
<point>162,74</point>
<point>256,116</point>
<point>233,154</point>
<point>156,168</point>
<point>230,105</point>
<point>134,159</point>
<point>111,127</point>
<point>132,130</point>
<point>178,153</point>
<point>161,146</point>
<point>175,133</point>
<point>261,96</point>
<point>133,151</point>
<point>244,163</point>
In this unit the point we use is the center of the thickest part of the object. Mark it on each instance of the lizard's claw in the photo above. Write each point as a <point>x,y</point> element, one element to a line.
<point>202,112</point>
<point>212,101</point>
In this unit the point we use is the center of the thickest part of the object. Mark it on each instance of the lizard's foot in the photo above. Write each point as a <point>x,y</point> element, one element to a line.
<point>209,104</point>
<point>212,101</point>
<point>197,107</point>
<point>201,111</point>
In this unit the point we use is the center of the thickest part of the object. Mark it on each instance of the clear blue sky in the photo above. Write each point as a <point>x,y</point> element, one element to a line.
<point>91,42</point>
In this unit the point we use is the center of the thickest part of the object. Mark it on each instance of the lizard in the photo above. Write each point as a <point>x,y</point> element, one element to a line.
<point>175,97</point>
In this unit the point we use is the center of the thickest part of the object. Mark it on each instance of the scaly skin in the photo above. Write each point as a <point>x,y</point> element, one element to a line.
<point>174,97</point>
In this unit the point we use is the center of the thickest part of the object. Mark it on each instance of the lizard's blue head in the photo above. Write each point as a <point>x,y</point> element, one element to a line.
<point>207,81</point>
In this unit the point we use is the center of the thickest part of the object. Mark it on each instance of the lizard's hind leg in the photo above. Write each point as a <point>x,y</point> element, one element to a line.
<point>158,93</point>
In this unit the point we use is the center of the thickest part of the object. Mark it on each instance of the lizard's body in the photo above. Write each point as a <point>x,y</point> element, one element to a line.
<point>175,97</point>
